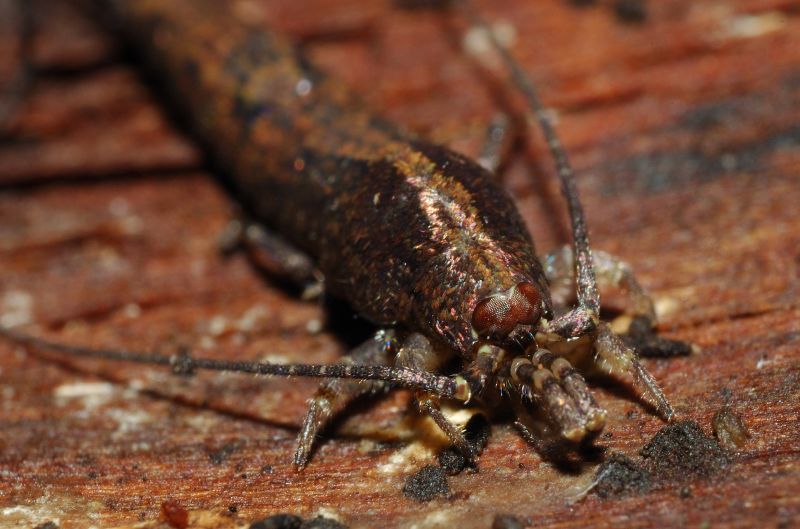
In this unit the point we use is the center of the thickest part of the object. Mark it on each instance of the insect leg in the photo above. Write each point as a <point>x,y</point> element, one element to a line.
<point>495,146</point>
<point>559,268</point>
<point>615,358</point>
<point>639,319</point>
<point>335,394</point>
<point>272,254</point>
<point>418,353</point>
<point>17,88</point>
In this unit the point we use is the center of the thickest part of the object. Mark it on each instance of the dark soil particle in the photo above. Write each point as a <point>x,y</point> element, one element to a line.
<point>682,450</point>
<point>218,457</point>
<point>631,10</point>
<point>320,522</point>
<point>477,431</point>
<point>619,475</point>
<point>451,461</point>
<point>429,482</point>
<point>677,453</point>
<point>278,521</point>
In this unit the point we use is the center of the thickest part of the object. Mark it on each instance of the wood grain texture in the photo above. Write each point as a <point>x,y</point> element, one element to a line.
<point>684,131</point>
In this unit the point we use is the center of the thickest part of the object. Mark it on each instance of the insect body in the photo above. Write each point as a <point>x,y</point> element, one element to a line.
<point>421,241</point>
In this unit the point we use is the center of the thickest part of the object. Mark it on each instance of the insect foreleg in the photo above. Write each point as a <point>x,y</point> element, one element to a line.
<point>418,353</point>
<point>335,394</point>
<point>613,357</point>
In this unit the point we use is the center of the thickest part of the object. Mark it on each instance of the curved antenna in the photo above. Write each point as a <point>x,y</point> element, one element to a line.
<point>455,387</point>
<point>588,295</point>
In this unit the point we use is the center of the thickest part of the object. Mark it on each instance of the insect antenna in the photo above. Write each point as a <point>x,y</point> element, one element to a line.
<point>454,387</point>
<point>588,295</point>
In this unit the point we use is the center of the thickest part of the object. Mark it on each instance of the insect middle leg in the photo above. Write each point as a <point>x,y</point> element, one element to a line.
<point>333,395</point>
<point>611,272</point>
<point>273,255</point>
<point>610,353</point>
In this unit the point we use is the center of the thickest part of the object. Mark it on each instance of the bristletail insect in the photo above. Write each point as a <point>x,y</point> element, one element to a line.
<point>421,241</point>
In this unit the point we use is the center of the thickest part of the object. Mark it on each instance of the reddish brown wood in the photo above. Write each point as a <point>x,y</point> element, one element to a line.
<point>683,130</point>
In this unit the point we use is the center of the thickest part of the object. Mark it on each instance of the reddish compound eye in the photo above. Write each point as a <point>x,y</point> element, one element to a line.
<point>499,314</point>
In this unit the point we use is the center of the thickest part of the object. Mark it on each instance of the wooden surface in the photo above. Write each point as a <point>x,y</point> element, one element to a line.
<point>684,130</point>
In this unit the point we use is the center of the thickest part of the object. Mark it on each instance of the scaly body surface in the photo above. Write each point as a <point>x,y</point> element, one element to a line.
<point>402,229</point>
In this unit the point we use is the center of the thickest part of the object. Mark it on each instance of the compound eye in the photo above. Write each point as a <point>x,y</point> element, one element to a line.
<point>499,314</point>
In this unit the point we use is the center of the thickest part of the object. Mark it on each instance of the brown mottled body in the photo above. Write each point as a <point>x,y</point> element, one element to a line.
<point>407,232</point>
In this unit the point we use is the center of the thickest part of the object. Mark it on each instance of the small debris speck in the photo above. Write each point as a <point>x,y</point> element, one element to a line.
<point>278,521</point>
<point>47,525</point>
<point>429,482</point>
<point>219,456</point>
<point>729,429</point>
<point>174,514</point>
<point>682,450</point>
<point>619,476</point>
<point>477,431</point>
<point>631,10</point>
<point>320,522</point>
<point>451,461</point>
<point>506,521</point>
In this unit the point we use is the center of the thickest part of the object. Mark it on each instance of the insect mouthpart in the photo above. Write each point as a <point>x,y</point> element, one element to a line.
<point>510,315</point>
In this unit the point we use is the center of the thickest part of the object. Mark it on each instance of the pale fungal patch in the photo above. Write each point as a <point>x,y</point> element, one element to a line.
<point>327,512</point>
<point>83,389</point>
<point>477,40</point>
<point>406,459</point>
<point>314,326</point>
<point>275,359</point>
<point>119,207</point>
<point>621,324</point>
<point>206,342</point>
<point>128,421</point>
<point>366,446</point>
<point>438,518</point>
<point>458,416</point>
<point>217,325</point>
<point>303,87</point>
<point>200,423</point>
<point>17,308</point>
<point>764,361</point>
<point>666,306</point>
<point>132,311</point>
<point>93,394</point>
<point>251,318</point>
<point>24,515</point>
<point>750,26</point>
